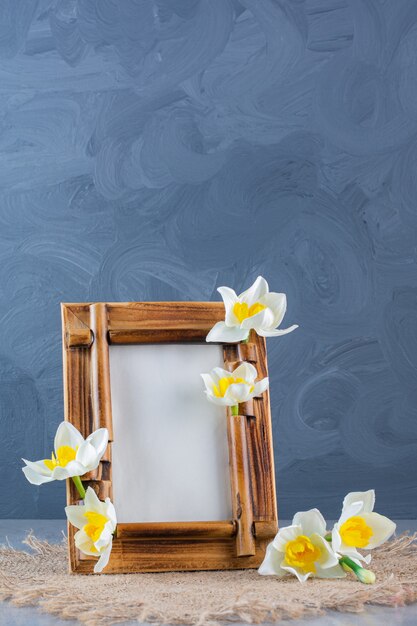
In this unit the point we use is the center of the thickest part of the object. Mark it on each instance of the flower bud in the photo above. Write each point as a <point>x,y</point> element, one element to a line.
<point>365,576</point>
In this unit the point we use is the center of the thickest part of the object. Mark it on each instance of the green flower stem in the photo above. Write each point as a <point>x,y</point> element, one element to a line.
<point>235,409</point>
<point>80,488</point>
<point>364,575</point>
<point>346,561</point>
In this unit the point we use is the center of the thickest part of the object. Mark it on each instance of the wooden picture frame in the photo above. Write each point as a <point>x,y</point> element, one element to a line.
<point>240,542</point>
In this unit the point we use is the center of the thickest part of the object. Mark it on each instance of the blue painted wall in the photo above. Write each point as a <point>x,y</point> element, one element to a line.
<point>157,150</point>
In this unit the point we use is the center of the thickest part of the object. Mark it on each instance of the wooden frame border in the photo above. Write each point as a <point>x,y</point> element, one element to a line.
<point>88,329</point>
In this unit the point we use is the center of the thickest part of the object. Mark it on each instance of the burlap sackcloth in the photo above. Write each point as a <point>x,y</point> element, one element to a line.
<point>41,579</point>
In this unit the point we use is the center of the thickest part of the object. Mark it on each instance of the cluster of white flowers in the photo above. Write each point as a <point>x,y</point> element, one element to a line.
<point>307,549</point>
<point>256,308</point>
<point>73,457</point>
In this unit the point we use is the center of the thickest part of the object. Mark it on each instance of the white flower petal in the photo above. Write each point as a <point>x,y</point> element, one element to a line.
<point>103,508</point>
<point>103,560</point>
<point>99,439</point>
<point>60,473</point>
<point>277,332</point>
<point>105,536</point>
<point>245,370</point>
<point>366,497</point>
<point>111,512</point>
<point>208,382</point>
<point>302,577</point>
<point>350,511</point>
<point>271,565</point>
<point>277,302</point>
<point>75,515</point>
<point>39,467</point>
<point>255,292</point>
<point>218,372</point>
<point>34,477</point>
<point>260,387</point>
<point>220,333</point>
<point>328,557</point>
<point>355,555</point>
<point>87,456</point>
<point>84,543</point>
<point>382,527</point>
<point>67,435</point>
<point>73,468</point>
<point>367,559</point>
<point>91,501</point>
<point>336,538</point>
<point>286,534</point>
<point>311,521</point>
<point>229,298</point>
<point>260,320</point>
<point>223,401</point>
<point>238,392</point>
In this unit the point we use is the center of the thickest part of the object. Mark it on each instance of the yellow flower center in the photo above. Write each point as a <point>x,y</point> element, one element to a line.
<point>302,553</point>
<point>224,383</point>
<point>243,311</point>
<point>64,455</point>
<point>95,525</point>
<point>355,532</point>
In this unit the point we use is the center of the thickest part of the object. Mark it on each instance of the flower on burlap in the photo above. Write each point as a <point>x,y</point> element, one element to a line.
<point>360,527</point>
<point>301,549</point>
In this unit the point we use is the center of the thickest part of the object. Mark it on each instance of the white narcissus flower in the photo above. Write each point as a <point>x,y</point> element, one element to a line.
<point>231,388</point>
<point>359,527</point>
<point>256,308</point>
<point>96,522</point>
<point>302,550</point>
<point>73,455</point>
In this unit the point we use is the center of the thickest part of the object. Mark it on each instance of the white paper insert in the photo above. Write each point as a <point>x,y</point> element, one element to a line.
<point>170,453</point>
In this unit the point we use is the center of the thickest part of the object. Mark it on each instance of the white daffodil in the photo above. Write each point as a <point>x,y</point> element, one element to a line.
<point>302,550</point>
<point>359,527</point>
<point>231,388</point>
<point>96,522</point>
<point>73,455</point>
<point>257,308</point>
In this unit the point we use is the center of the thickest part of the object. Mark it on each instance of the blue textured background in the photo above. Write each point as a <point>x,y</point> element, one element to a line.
<point>157,150</point>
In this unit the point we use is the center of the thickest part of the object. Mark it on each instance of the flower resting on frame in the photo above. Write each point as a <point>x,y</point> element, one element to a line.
<point>256,308</point>
<point>359,527</point>
<point>301,549</point>
<point>73,455</point>
<point>96,522</point>
<point>231,388</point>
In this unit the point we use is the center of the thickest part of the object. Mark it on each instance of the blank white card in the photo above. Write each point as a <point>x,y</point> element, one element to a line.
<point>170,453</point>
